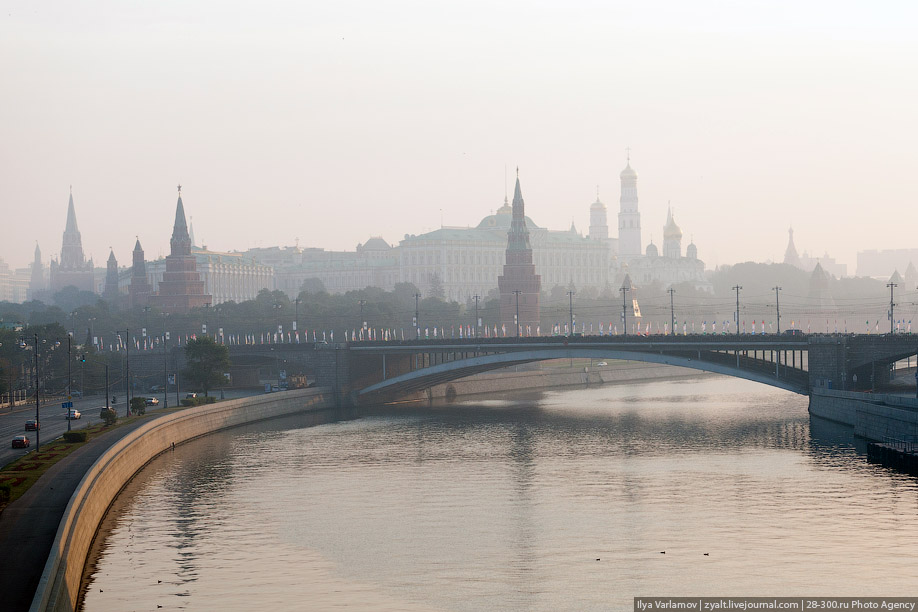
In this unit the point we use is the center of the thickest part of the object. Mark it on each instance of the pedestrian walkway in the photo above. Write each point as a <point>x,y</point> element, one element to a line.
<point>28,525</point>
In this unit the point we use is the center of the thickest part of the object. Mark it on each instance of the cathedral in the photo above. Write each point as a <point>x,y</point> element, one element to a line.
<point>652,267</point>
<point>73,268</point>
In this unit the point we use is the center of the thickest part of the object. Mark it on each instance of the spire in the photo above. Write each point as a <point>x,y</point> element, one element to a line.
<point>37,253</point>
<point>181,241</point>
<point>191,230</point>
<point>790,255</point>
<point>518,236</point>
<point>111,256</point>
<point>137,246</point>
<point>71,216</point>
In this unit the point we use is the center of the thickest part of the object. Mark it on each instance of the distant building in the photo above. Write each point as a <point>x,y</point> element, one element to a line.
<point>880,264</point>
<point>140,288</point>
<point>808,264</point>
<point>629,217</point>
<point>652,268</point>
<point>519,284</point>
<point>110,292</point>
<point>14,285</point>
<point>181,287</point>
<point>38,285</point>
<point>73,269</point>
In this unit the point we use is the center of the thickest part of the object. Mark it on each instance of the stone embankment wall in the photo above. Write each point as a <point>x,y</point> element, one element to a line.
<point>59,587</point>
<point>512,380</point>
<point>875,416</point>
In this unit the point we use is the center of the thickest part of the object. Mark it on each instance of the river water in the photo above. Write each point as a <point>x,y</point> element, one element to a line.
<point>577,499</point>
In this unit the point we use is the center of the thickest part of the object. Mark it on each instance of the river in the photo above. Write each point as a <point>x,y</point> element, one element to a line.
<point>575,499</point>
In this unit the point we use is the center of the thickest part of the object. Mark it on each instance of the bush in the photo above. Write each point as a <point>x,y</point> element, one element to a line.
<point>138,405</point>
<point>108,415</point>
<point>5,492</point>
<point>198,401</point>
<point>74,436</point>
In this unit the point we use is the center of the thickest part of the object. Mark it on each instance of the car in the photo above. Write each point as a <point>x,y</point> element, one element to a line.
<point>190,395</point>
<point>152,401</point>
<point>73,414</point>
<point>157,389</point>
<point>601,364</point>
<point>32,425</point>
<point>21,442</point>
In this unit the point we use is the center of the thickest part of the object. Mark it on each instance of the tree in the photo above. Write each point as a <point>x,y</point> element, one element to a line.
<point>436,287</point>
<point>207,361</point>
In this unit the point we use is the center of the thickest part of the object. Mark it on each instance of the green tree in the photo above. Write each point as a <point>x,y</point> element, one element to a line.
<point>207,361</point>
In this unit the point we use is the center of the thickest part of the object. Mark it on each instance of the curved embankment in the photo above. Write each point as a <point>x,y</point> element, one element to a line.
<point>59,586</point>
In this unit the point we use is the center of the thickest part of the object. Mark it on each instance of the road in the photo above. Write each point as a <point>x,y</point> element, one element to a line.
<point>53,423</point>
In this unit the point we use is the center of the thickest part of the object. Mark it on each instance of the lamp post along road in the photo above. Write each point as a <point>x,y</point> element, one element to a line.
<point>517,319</point>
<point>624,291</point>
<point>737,289</point>
<point>777,308</point>
<point>477,323</point>
<point>892,306</point>
<point>69,379</point>
<point>672,312</point>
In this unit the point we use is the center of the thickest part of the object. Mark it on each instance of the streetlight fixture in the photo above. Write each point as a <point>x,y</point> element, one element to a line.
<point>570,296</point>
<point>516,319</point>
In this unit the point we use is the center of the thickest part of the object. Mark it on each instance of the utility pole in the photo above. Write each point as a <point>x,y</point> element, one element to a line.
<point>296,314</point>
<point>624,291</point>
<point>891,286</point>
<point>37,419</point>
<point>672,312</point>
<point>417,315</point>
<point>516,319</point>
<point>69,377</point>
<point>363,324</point>
<point>570,295</point>
<point>165,367</point>
<point>477,297</point>
<point>737,289</point>
<point>127,371</point>
<point>778,309</point>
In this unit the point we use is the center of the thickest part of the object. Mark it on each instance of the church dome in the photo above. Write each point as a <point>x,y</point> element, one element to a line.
<point>652,250</point>
<point>671,230</point>
<point>628,172</point>
<point>597,205</point>
<point>691,251</point>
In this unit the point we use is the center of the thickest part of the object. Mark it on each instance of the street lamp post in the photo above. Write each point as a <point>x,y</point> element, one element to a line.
<point>476,298</point>
<point>624,291</point>
<point>672,312</point>
<point>363,324</point>
<point>778,308</point>
<point>570,296</point>
<point>69,378</point>
<point>517,319</point>
<point>737,289</point>
<point>892,306</point>
<point>165,366</point>
<point>417,314</point>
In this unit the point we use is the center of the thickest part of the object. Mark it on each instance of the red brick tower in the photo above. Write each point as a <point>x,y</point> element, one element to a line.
<point>181,288</point>
<point>519,280</point>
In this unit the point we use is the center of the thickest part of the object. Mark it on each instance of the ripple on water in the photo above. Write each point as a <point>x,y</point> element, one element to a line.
<point>507,504</point>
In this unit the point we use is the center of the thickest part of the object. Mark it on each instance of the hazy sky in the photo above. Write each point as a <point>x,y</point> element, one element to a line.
<point>337,120</point>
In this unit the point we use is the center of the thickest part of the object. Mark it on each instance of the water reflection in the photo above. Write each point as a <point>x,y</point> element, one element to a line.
<point>550,501</point>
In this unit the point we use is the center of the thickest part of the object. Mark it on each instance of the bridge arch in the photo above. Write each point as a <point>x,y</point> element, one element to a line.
<point>453,370</point>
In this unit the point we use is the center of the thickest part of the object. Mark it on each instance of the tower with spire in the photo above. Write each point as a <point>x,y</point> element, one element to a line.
<point>519,280</point>
<point>37,281</point>
<point>790,255</point>
<point>629,218</point>
<point>139,288</point>
<point>110,292</point>
<point>181,288</point>
<point>73,268</point>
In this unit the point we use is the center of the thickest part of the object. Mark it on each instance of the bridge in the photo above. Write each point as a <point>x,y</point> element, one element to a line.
<point>376,371</point>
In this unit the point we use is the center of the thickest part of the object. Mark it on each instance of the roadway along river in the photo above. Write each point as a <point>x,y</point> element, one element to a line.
<point>556,501</point>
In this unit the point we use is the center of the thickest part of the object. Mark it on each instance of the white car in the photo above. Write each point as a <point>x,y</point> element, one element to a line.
<point>74,414</point>
<point>601,364</point>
